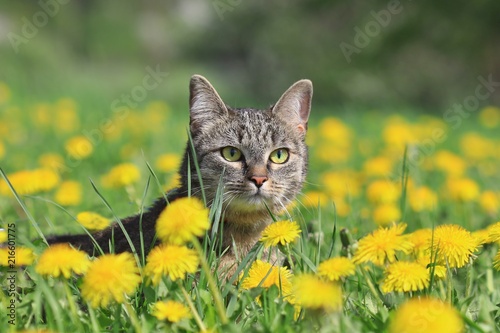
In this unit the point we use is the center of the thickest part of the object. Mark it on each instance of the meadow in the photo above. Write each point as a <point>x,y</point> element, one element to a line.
<point>397,229</point>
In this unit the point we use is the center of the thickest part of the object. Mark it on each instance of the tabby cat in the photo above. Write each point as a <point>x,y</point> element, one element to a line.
<point>259,157</point>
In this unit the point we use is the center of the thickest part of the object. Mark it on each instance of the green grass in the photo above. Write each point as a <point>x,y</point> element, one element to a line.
<point>328,228</point>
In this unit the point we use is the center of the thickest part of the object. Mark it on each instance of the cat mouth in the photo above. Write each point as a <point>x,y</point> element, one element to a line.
<point>250,202</point>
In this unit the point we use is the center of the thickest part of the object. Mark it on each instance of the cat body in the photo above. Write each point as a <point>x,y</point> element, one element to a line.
<point>259,157</point>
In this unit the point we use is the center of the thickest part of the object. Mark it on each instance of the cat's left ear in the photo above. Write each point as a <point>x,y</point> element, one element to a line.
<point>295,104</point>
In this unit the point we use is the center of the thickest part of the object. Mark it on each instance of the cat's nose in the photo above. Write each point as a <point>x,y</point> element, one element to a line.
<point>258,180</point>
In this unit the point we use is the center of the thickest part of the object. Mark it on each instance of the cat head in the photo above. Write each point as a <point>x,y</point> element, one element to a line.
<point>258,156</point>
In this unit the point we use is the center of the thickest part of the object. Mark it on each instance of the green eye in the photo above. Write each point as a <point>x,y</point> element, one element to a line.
<point>279,156</point>
<point>231,154</point>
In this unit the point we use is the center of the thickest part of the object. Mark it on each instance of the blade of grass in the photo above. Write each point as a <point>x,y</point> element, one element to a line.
<point>306,260</point>
<point>219,304</point>
<point>334,232</point>
<point>151,171</point>
<point>320,233</point>
<point>216,209</point>
<point>23,206</point>
<point>141,212</point>
<point>197,167</point>
<point>54,306</point>
<point>73,217</point>
<point>119,222</point>
<point>404,183</point>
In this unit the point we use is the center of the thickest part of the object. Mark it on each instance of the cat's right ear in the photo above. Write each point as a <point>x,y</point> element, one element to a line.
<point>294,106</point>
<point>205,104</point>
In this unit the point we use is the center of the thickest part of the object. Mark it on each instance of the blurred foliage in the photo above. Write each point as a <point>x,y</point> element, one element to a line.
<point>427,55</point>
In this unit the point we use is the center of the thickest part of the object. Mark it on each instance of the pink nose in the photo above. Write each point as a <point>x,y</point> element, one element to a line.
<point>258,180</point>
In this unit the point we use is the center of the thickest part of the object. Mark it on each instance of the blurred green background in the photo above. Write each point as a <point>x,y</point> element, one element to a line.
<point>114,77</point>
<point>422,54</point>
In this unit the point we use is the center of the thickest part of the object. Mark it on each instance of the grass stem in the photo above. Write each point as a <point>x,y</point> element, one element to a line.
<point>219,304</point>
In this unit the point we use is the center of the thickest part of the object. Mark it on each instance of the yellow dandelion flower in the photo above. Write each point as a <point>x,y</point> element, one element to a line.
<point>52,161</point>
<point>333,153</point>
<point>386,214</point>
<point>420,240</point>
<point>315,198</point>
<point>263,274</point>
<point>462,189</point>
<point>382,191</point>
<point>422,199</point>
<point>61,259</point>
<point>45,180</point>
<point>110,277</point>
<point>92,221</point>
<point>170,260</point>
<point>496,261</point>
<point>451,164</point>
<point>182,220</point>
<point>281,232</point>
<point>121,175</point>
<point>341,184</point>
<point>69,193</point>
<point>439,271</point>
<point>342,208</point>
<point>315,293</point>
<point>382,245</point>
<point>157,110</point>
<point>16,256</point>
<point>490,116</point>
<point>171,311</point>
<point>66,118</point>
<point>155,115</point>
<point>79,147</point>
<point>29,182</point>
<point>405,276</point>
<point>481,236</point>
<point>476,147</point>
<point>168,163</point>
<point>397,133</point>
<point>426,315</point>
<point>336,268</point>
<point>490,202</point>
<point>335,131</point>
<point>379,166</point>
<point>454,245</point>
<point>493,232</point>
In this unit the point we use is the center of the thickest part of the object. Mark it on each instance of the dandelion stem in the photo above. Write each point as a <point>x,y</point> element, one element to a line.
<point>196,316</point>
<point>468,280</point>
<point>442,289</point>
<point>449,284</point>
<point>289,257</point>
<point>72,306</point>
<point>93,319</point>
<point>211,282</point>
<point>376,293</point>
<point>133,317</point>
